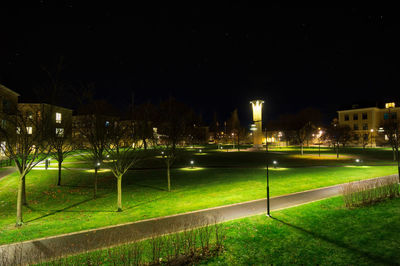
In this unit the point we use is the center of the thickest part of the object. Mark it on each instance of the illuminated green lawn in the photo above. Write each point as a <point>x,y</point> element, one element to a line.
<point>319,233</point>
<point>55,210</point>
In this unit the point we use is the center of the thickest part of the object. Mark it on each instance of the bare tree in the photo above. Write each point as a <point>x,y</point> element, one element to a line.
<point>122,152</point>
<point>23,133</point>
<point>144,117</point>
<point>392,131</point>
<point>93,125</point>
<point>304,124</point>
<point>173,127</point>
<point>337,134</point>
<point>62,146</point>
<point>235,128</point>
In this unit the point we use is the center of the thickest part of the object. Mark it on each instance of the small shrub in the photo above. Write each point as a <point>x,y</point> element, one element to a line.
<point>184,248</point>
<point>368,192</point>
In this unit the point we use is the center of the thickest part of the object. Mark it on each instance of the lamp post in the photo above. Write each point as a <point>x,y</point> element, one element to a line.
<point>268,206</point>
<point>233,140</point>
<point>96,168</point>
<point>191,164</point>
<point>372,132</point>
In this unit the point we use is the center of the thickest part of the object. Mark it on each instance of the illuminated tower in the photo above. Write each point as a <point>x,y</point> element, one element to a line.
<point>257,120</point>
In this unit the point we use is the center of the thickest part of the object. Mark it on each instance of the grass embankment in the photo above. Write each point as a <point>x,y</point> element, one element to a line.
<point>319,233</point>
<point>54,210</point>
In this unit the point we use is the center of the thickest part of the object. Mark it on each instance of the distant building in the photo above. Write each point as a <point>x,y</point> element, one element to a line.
<point>84,122</point>
<point>366,124</point>
<point>59,118</point>
<point>8,105</point>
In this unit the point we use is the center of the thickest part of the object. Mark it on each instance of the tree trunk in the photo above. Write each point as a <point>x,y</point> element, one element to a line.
<point>24,202</point>
<point>95,183</point>
<point>119,194</point>
<point>168,175</point>
<point>394,154</point>
<point>398,162</point>
<point>59,173</point>
<point>144,144</point>
<point>238,142</point>
<point>301,148</point>
<point>19,202</point>
<point>337,151</point>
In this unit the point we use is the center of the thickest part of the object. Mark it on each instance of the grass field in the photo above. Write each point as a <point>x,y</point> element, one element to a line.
<point>218,178</point>
<point>319,233</point>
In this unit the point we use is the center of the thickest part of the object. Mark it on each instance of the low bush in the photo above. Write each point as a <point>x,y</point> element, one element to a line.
<point>187,247</point>
<point>369,192</point>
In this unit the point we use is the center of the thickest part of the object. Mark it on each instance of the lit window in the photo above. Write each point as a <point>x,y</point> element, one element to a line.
<point>29,130</point>
<point>60,132</point>
<point>390,105</point>
<point>58,118</point>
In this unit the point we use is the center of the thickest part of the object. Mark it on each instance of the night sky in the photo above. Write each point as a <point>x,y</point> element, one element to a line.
<point>214,60</point>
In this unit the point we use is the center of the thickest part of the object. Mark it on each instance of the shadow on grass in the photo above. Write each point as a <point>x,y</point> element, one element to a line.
<point>145,202</point>
<point>66,209</point>
<point>338,243</point>
<point>150,186</point>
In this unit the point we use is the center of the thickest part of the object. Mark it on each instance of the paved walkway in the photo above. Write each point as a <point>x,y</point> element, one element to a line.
<point>77,242</point>
<point>7,171</point>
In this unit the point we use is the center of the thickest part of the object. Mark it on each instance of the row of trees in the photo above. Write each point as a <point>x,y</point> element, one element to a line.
<point>29,137</point>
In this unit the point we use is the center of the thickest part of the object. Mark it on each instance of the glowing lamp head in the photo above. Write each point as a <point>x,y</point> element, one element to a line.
<point>200,150</point>
<point>192,162</point>
<point>357,160</point>
<point>98,164</point>
<point>162,153</point>
<point>108,156</point>
<point>275,162</point>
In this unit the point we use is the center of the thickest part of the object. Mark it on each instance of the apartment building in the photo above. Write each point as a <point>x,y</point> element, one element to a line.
<point>58,119</point>
<point>8,105</point>
<point>367,124</point>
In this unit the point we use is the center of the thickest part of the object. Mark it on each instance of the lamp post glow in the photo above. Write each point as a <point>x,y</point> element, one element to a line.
<point>257,119</point>
<point>275,163</point>
<point>191,163</point>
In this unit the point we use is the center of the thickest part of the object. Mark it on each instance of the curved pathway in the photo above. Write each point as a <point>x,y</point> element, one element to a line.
<point>78,242</point>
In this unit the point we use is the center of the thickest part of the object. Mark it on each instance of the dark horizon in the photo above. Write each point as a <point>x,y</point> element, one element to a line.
<point>211,60</point>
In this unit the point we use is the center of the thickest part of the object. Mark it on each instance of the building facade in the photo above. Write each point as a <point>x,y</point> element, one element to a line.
<point>54,119</point>
<point>367,124</point>
<point>8,105</point>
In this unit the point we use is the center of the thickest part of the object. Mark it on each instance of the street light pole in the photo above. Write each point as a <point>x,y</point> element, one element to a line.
<point>372,135</point>
<point>268,207</point>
